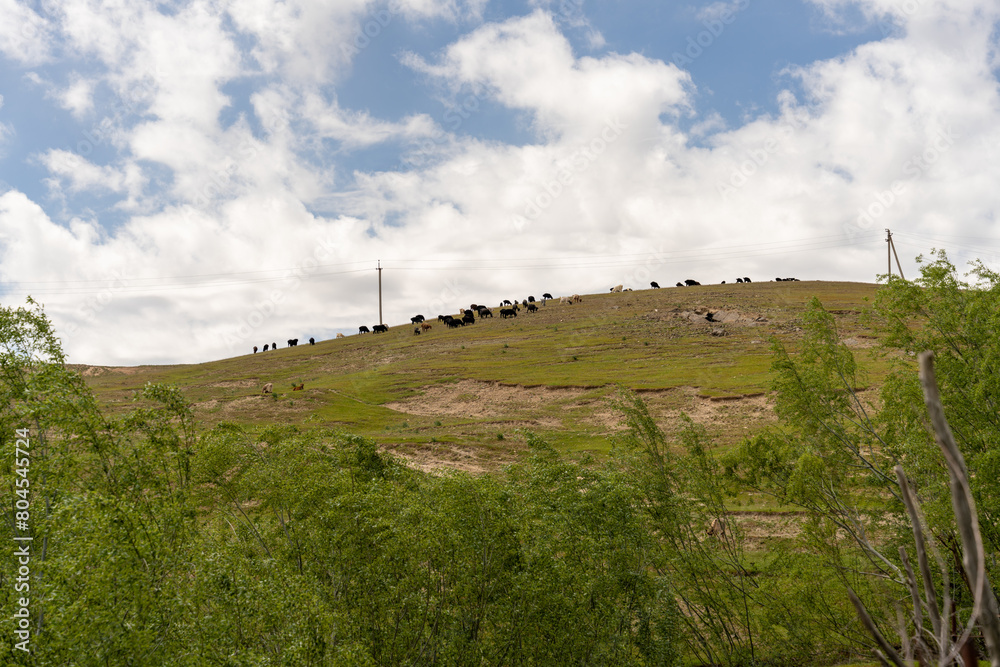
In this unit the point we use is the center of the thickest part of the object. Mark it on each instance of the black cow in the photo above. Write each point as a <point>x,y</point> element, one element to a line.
<point>739,280</point>
<point>417,319</point>
<point>255,349</point>
<point>746,280</point>
<point>506,302</point>
<point>453,323</point>
<point>680,285</point>
<point>362,329</point>
<point>416,331</point>
<point>485,312</point>
<point>532,308</point>
<point>723,282</point>
<point>312,341</point>
<point>507,312</point>
<point>547,296</point>
<point>531,299</point>
<point>380,328</point>
<point>265,347</point>
<point>690,282</point>
<point>292,342</point>
<point>468,318</point>
<point>274,346</point>
<point>444,318</point>
<point>467,313</point>
<point>654,285</point>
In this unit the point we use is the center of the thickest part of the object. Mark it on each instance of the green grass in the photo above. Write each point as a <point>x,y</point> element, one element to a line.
<point>634,339</point>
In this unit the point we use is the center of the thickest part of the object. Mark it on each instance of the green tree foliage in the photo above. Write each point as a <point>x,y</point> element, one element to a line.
<point>166,546</point>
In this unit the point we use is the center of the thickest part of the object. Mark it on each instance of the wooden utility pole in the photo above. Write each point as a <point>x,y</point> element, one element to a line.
<point>891,252</point>
<point>380,292</point>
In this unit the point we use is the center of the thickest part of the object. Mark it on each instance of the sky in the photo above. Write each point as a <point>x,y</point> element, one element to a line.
<point>181,181</point>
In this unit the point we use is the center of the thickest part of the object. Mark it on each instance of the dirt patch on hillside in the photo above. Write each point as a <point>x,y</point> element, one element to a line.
<point>731,416</point>
<point>442,458</point>
<point>482,400</point>
<point>94,371</point>
<point>235,384</point>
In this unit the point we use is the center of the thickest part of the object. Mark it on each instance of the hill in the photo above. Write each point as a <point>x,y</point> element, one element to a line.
<point>458,397</point>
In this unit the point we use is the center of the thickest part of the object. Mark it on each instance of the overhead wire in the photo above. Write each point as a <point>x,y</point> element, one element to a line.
<point>159,284</point>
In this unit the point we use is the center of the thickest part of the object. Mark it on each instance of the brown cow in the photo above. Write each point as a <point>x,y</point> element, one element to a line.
<point>425,326</point>
<point>298,387</point>
<point>718,528</point>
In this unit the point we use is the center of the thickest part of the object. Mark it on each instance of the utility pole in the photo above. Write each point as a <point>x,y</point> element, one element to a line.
<point>891,252</point>
<point>380,292</point>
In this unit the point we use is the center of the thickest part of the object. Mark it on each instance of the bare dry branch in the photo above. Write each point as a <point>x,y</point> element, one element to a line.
<point>869,624</point>
<point>918,537</point>
<point>986,610</point>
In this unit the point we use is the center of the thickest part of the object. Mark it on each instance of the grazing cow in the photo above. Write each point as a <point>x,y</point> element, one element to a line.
<point>255,349</point>
<point>444,318</point>
<point>531,299</point>
<point>475,306</point>
<point>265,347</point>
<point>746,280</point>
<point>417,319</point>
<point>546,296</point>
<point>340,335</point>
<point>298,387</point>
<point>717,529</point>
<point>616,288</point>
<point>468,318</point>
<point>453,323</point>
<point>292,342</point>
<point>577,298</point>
<point>267,388</point>
<point>654,285</point>
<point>467,313</point>
<point>416,331</point>
<point>739,280</point>
<point>363,329</point>
<point>679,285</point>
<point>274,346</point>
<point>532,308</point>
<point>507,312</point>
<point>690,282</point>
<point>380,328</point>
<point>425,326</point>
<point>723,282</point>
<point>524,302</point>
<point>566,299</point>
<point>506,302</point>
<point>312,341</point>
<point>485,312</point>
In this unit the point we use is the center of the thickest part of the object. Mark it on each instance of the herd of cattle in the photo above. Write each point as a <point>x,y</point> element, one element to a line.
<point>507,308</point>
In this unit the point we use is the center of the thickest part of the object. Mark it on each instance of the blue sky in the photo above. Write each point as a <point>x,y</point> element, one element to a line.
<point>227,173</point>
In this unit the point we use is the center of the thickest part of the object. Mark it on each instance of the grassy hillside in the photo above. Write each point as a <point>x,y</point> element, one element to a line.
<point>458,396</point>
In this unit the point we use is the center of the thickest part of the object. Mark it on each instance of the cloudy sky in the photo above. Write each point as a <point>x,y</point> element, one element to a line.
<point>180,181</point>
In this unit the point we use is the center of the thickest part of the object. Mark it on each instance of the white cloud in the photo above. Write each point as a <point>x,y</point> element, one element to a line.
<point>83,175</point>
<point>78,96</point>
<point>24,35</point>
<point>905,127</point>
